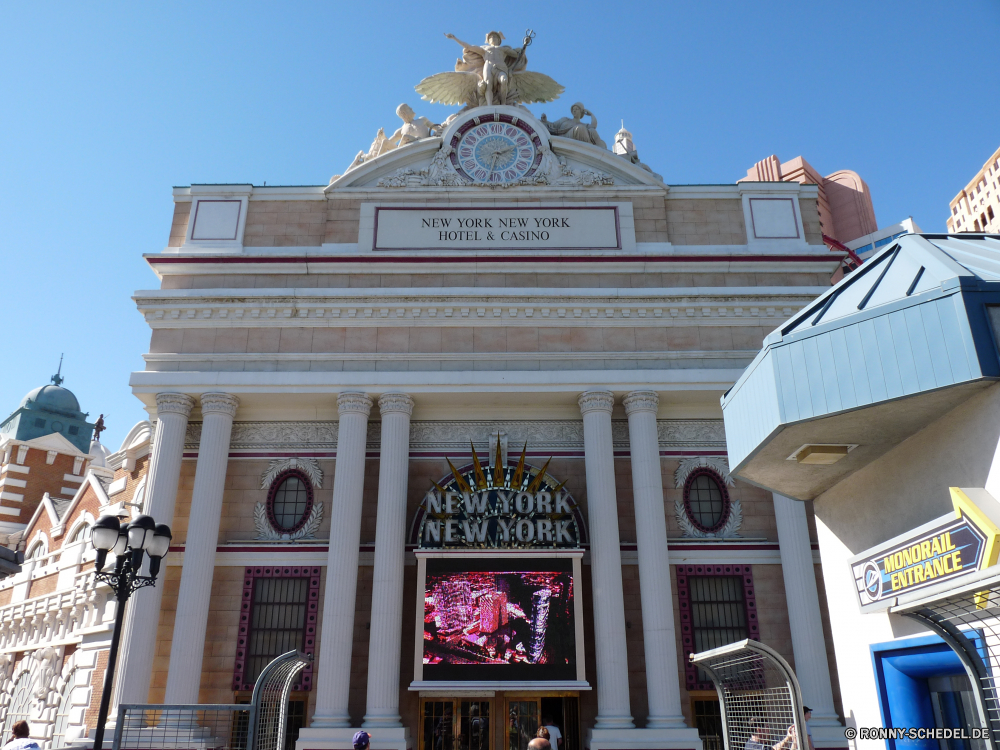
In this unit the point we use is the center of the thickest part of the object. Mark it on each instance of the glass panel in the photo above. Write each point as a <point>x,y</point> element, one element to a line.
<point>290,502</point>
<point>474,725</point>
<point>522,723</point>
<point>705,501</point>
<point>437,727</point>
<point>62,713</point>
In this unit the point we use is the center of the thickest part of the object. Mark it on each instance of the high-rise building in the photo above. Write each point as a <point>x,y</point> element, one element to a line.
<point>844,204</point>
<point>977,207</point>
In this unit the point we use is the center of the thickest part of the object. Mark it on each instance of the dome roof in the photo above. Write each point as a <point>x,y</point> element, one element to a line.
<point>99,454</point>
<point>53,397</point>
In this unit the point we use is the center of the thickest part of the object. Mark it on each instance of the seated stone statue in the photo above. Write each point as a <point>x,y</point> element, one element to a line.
<point>413,129</point>
<point>574,127</point>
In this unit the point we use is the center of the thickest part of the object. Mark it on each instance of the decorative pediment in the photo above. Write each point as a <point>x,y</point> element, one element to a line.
<point>448,160</point>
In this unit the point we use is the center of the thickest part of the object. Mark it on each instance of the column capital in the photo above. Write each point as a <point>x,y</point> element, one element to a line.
<point>596,401</point>
<point>641,401</point>
<point>219,403</point>
<point>398,402</point>
<point>357,403</point>
<point>174,403</point>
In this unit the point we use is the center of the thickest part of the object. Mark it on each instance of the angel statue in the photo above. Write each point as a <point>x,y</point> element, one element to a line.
<point>574,127</point>
<point>489,74</point>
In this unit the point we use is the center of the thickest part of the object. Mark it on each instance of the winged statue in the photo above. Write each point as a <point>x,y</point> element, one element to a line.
<point>490,73</point>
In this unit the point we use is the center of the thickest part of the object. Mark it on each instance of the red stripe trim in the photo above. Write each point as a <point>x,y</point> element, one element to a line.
<point>499,259</point>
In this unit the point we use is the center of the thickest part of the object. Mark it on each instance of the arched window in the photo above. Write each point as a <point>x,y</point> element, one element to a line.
<point>62,713</point>
<point>81,534</point>
<point>17,709</point>
<point>289,501</point>
<point>37,550</point>
<point>706,500</point>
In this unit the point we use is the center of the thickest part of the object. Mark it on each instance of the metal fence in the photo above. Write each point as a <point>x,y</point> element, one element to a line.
<point>258,725</point>
<point>968,619</point>
<point>758,696</point>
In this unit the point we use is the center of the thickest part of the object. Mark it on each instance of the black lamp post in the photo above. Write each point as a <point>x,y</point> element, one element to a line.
<point>128,542</point>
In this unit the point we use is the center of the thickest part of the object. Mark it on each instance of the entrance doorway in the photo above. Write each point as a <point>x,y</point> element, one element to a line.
<point>502,722</point>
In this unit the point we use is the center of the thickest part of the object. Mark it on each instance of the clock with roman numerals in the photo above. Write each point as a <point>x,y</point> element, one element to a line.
<point>496,149</point>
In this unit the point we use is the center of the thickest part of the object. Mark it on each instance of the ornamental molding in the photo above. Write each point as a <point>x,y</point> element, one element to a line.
<point>721,467</point>
<point>307,466</point>
<point>174,403</point>
<point>416,307</point>
<point>266,531</point>
<point>354,403</point>
<point>596,401</point>
<point>641,401</point>
<point>395,402</point>
<point>219,403</point>
<point>454,435</point>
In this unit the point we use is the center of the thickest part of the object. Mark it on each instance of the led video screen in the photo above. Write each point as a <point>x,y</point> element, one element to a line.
<point>497,620</point>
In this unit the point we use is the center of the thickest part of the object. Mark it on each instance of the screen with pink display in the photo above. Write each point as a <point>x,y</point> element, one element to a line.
<point>499,620</point>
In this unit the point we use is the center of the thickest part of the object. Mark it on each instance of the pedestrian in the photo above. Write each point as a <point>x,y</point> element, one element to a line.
<point>543,732</point>
<point>21,739</point>
<point>758,734</point>
<point>361,740</point>
<point>539,743</point>
<point>555,736</point>
<point>808,714</point>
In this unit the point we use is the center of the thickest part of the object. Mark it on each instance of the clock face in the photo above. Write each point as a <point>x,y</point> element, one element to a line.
<point>496,149</point>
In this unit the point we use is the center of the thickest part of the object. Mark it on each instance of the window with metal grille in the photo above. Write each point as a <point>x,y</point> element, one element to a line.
<point>706,500</point>
<point>718,606</point>
<point>278,614</point>
<point>707,716</point>
<point>62,712</point>
<point>17,709</point>
<point>289,501</point>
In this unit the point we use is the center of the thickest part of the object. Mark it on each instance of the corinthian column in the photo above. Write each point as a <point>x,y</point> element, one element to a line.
<point>605,563</point>
<point>390,538</point>
<point>804,618</point>
<point>194,597</point>
<point>334,678</point>
<point>658,635</point>
<point>142,619</point>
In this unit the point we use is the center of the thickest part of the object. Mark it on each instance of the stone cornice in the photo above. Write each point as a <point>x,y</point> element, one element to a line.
<point>556,435</point>
<point>416,307</point>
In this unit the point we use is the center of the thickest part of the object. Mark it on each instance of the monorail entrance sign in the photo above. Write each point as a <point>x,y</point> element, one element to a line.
<point>944,549</point>
<point>499,507</point>
<point>497,228</point>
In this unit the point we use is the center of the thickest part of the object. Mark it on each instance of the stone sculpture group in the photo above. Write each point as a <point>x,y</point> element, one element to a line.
<point>489,74</point>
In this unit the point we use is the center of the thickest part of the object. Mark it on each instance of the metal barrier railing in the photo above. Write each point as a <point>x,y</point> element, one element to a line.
<point>258,725</point>
<point>759,697</point>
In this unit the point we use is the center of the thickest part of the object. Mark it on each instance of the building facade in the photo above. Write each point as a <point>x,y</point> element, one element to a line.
<point>977,207</point>
<point>451,425</point>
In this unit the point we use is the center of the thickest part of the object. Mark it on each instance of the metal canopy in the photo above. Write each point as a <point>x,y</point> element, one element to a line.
<point>902,331</point>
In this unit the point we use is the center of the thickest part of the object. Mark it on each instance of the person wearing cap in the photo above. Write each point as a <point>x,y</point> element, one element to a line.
<point>21,740</point>
<point>362,740</point>
<point>808,713</point>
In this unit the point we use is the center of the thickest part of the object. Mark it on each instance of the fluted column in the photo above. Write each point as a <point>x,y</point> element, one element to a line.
<point>334,672</point>
<point>390,539</point>
<point>659,638</point>
<point>195,595</point>
<point>808,645</point>
<point>605,562</point>
<point>142,618</point>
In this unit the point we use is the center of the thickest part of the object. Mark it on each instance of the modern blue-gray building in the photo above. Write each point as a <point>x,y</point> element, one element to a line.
<point>879,404</point>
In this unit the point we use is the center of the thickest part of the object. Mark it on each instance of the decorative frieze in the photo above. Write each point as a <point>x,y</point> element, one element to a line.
<point>555,435</point>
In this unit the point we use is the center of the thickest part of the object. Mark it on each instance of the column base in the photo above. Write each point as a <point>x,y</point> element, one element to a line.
<point>342,738</point>
<point>830,736</point>
<point>672,738</point>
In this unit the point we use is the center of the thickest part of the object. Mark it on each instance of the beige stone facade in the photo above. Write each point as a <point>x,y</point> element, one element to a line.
<point>977,207</point>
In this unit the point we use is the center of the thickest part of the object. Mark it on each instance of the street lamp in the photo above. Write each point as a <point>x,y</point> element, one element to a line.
<point>128,542</point>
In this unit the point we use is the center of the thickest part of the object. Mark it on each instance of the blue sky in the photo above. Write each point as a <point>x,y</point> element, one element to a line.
<point>105,107</point>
